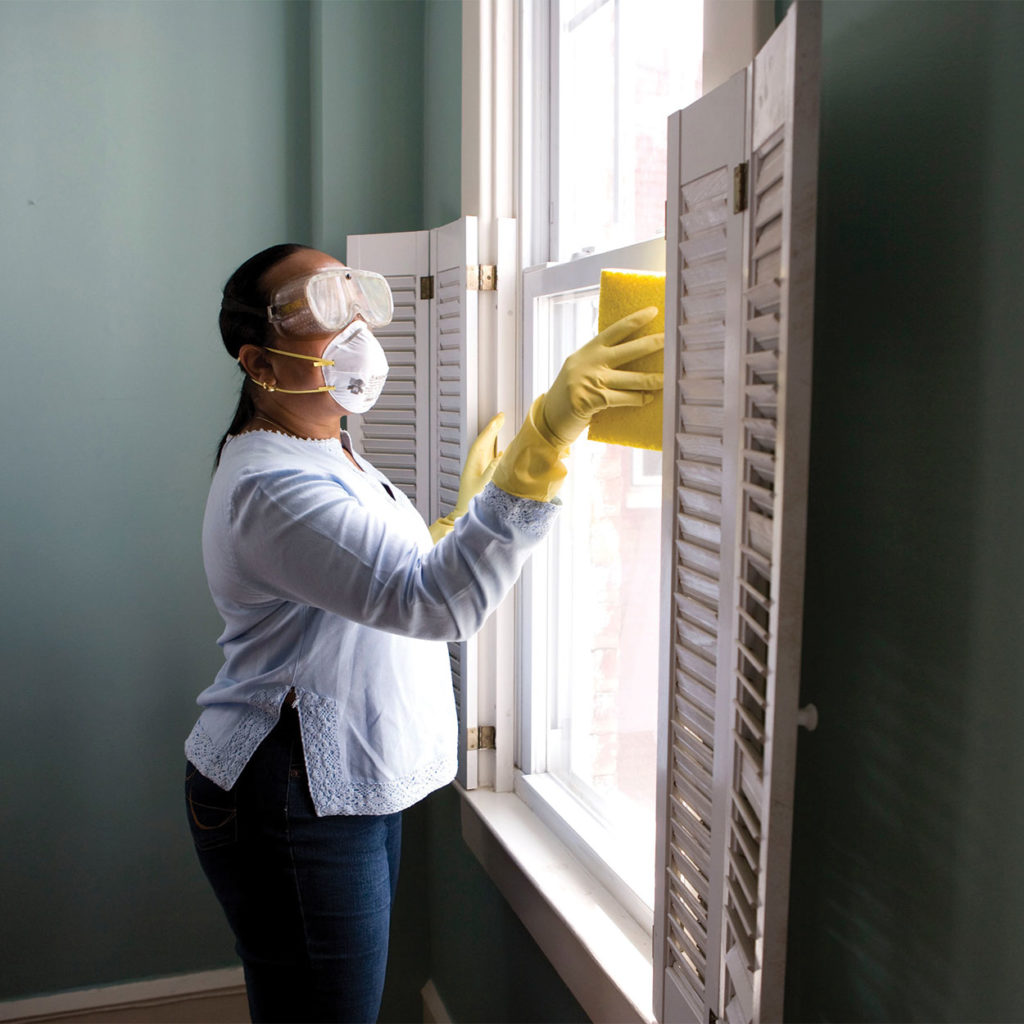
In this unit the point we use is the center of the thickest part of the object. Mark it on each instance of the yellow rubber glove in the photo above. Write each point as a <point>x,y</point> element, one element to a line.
<point>476,473</point>
<point>590,380</point>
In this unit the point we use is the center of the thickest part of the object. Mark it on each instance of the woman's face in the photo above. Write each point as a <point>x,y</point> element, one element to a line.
<point>297,374</point>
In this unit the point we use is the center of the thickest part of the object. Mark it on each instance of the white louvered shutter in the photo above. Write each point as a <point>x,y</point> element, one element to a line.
<point>420,430</point>
<point>735,518</point>
<point>394,433</point>
<point>453,396</point>
<point>703,274</point>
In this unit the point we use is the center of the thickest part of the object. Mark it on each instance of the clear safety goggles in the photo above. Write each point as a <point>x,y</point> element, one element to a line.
<point>326,301</point>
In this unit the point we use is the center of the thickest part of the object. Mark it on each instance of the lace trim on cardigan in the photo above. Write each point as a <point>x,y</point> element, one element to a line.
<point>534,518</point>
<point>224,764</point>
<point>331,444</point>
<point>333,792</point>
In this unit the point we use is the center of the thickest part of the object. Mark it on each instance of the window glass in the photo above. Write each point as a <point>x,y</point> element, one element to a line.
<point>618,69</point>
<point>601,596</point>
<point>623,67</point>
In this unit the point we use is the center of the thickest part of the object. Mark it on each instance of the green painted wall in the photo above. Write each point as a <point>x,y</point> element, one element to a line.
<point>368,56</point>
<point>907,898</point>
<point>442,113</point>
<point>485,964</point>
<point>149,147</point>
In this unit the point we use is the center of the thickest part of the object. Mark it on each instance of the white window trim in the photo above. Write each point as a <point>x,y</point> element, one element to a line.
<point>602,954</point>
<point>568,819</point>
<point>488,170</point>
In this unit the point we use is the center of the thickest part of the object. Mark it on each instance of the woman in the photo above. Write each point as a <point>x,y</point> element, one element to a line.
<point>334,710</point>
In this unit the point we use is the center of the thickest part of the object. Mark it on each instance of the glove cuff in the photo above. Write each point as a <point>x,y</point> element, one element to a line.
<point>442,527</point>
<point>531,466</point>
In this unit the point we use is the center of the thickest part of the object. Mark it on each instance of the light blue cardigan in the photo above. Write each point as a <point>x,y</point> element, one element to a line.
<point>328,582</point>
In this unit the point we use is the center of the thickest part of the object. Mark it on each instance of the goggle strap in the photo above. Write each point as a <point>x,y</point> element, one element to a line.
<point>277,313</point>
<point>230,305</point>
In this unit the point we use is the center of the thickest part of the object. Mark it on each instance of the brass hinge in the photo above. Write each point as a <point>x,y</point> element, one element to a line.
<point>481,738</point>
<point>481,277</point>
<point>739,188</point>
<point>427,287</point>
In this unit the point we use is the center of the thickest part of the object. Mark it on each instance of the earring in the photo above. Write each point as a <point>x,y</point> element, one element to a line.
<point>266,387</point>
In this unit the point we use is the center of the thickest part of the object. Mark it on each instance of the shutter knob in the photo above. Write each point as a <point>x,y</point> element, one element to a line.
<point>807,717</point>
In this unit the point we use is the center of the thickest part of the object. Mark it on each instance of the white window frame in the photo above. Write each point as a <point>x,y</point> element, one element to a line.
<point>734,30</point>
<point>596,945</point>
<point>564,814</point>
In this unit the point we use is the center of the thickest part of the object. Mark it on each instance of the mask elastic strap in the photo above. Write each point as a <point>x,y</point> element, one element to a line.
<point>288,391</point>
<point>315,360</point>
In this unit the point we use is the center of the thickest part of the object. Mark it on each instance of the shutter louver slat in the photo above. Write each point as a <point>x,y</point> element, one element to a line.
<point>700,502</point>
<point>754,757</point>
<point>695,755</point>
<point>746,833</point>
<point>696,613</point>
<point>691,950</point>
<point>687,911</point>
<point>695,474</point>
<point>698,720</point>
<point>755,725</point>
<point>744,996</point>
<point>452,402</point>
<point>695,802</point>
<point>749,688</point>
<point>705,563</point>
<point>388,430</point>
<point>698,466</point>
<point>757,500</point>
<point>750,623</point>
<point>688,848</point>
<point>449,401</point>
<point>747,879</point>
<point>450,384</point>
<point>739,290</point>
<point>742,936</point>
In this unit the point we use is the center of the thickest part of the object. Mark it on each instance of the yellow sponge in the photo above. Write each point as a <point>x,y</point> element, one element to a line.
<point>624,292</point>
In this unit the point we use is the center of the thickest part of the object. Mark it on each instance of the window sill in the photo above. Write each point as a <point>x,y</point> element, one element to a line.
<point>597,948</point>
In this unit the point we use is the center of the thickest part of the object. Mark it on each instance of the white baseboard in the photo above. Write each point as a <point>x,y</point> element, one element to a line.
<point>434,1010</point>
<point>179,997</point>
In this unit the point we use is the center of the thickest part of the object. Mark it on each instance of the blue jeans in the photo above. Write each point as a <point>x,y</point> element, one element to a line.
<point>308,898</point>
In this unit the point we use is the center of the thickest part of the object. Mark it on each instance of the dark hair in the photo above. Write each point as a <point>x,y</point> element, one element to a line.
<point>248,327</point>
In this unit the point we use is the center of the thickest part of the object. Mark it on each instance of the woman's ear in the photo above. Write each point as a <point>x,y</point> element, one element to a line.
<point>256,364</point>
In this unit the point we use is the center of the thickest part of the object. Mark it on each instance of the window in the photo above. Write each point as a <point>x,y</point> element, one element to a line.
<point>739,280</point>
<point>613,71</point>
<point>590,606</point>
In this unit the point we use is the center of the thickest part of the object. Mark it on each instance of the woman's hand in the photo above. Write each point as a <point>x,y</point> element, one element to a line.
<point>476,474</point>
<point>590,379</point>
<point>480,462</point>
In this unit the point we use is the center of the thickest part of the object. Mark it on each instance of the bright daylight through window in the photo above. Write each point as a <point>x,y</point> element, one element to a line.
<point>618,69</point>
<point>622,67</point>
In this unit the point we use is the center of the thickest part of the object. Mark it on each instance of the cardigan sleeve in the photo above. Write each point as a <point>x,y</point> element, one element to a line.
<point>299,536</point>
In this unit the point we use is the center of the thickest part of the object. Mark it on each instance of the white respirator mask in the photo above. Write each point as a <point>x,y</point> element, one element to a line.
<point>354,368</point>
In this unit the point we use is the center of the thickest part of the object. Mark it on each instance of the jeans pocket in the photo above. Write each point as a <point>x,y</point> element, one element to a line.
<point>212,814</point>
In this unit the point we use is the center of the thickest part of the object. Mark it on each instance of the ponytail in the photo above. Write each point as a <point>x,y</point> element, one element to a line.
<point>243,413</point>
